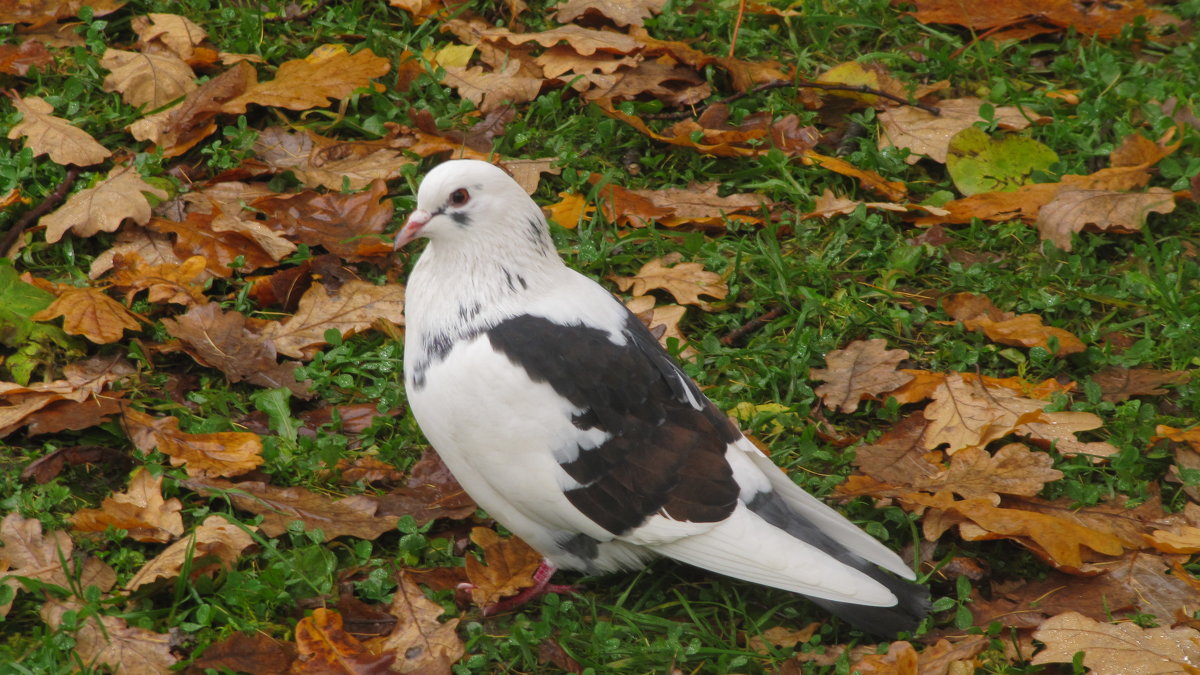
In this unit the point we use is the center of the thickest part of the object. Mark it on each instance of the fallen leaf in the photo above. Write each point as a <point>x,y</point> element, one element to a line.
<point>228,342</point>
<point>1026,330</point>
<point>353,308</point>
<point>329,72</point>
<point>152,80</point>
<point>318,161</point>
<point>348,225</point>
<point>215,545</point>
<point>421,643</point>
<point>663,322</point>
<point>180,283</point>
<point>698,205</point>
<point>509,569</point>
<point>1118,384</point>
<point>323,647</point>
<point>570,211</point>
<point>140,510</point>
<point>864,369</point>
<point>146,246</point>
<point>239,652</point>
<point>46,134</point>
<point>979,163</point>
<point>354,516</point>
<point>1013,470</point>
<point>47,467</point>
<point>110,640</point>
<point>431,492</point>
<point>900,659</point>
<point>1106,21</point>
<point>197,235</point>
<point>490,91</point>
<point>18,59</point>
<point>927,135</point>
<point>176,34</point>
<point>620,12</point>
<point>685,281</point>
<point>1072,210</point>
<point>225,453</point>
<point>782,637</point>
<point>180,127</point>
<point>103,207</point>
<point>90,313</point>
<point>30,554</point>
<point>1118,649</point>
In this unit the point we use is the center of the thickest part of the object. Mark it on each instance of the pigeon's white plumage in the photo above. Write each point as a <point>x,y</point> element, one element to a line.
<point>562,417</point>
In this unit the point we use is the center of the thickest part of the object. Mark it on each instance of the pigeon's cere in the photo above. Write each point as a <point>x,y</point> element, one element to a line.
<point>564,418</point>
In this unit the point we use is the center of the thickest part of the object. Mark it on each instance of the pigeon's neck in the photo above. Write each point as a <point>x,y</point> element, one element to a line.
<point>457,292</point>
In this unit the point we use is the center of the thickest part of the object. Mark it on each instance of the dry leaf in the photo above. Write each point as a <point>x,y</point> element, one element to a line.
<point>90,313</point>
<point>620,12</point>
<point>864,369</point>
<point>491,91</point>
<point>240,652</point>
<point>225,453</point>
<point>103,207</point>
<point>1118,384</point>
<point>926,134</point>
<point>18,59</point>
<point>1104,21</point>
<point>421,643</point>
<point>509,569</point>
<point>329,72</point>
<point>29,553</point>
<point>152,80</point>
<point>179,283</point>
<point>1072,210</point>
<point>1118,649</point>
<point>782,637</point>
<point>431,492</point>
<point>179,128</point>
<point>141,510</point>
<point>324,647</point>
<point>227,341</point>
<point>355,516</point>
<point>685,281</point>
<point>171,32</point>
<point>663,322</point>
<point>900,659</point>
<point>46,134</point>
<point>570,211</point>
<point>216,544</point>
<point>197,235</point>
<point>348,225</point>
<point>318,161</point>
<point>353,308</point>
<point>146,246</point>
<point>110,640</point>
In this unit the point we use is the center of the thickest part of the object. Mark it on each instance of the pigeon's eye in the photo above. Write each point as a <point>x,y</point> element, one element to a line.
<point>460,197</point>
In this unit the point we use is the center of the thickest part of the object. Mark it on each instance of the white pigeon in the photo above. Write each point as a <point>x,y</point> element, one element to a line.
<point>565,420</point>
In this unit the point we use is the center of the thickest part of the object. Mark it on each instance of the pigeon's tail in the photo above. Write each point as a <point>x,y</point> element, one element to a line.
<point>911,608</point>
<point>811,524</point>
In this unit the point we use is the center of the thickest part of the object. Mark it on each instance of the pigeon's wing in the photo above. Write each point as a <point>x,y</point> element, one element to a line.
<point>669,471</point>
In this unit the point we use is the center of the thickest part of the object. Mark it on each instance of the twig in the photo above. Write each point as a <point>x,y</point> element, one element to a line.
<point>783,84</point>
<point>52,200</point>
<point>752,325</point>
<point>298,17</point>
<point>737,26</point>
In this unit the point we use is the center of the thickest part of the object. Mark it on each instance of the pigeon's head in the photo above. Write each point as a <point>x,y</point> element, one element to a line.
<point>464,197</point>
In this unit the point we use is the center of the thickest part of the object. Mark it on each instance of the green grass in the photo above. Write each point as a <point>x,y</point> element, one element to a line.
<point>851,277</point>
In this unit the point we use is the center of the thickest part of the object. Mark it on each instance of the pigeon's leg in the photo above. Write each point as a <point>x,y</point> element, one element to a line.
<point>541,586</point>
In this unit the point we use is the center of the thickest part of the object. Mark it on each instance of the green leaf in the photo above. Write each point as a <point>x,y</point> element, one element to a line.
<point>978,163</point>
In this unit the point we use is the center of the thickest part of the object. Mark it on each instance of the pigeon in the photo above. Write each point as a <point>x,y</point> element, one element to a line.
<point>562,416</point>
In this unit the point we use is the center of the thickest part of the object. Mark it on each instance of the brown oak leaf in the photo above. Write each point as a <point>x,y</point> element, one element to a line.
<point>215,545</point>
<point>140,510</point>
<point>620,12</point>
<point>31,554</point>
<point>348,225</point>
<point>353,308</point>
<point>354,516</point>
<point>318,161</point>
<point>46,134</point>
<point>110,640</point>
<point>490,91</point>
<point>325,647</point>
<point>1072,210</point>
<point>180,127</point>
<point>176,34</point>
<point>329,72</point>
<point>90,313</point>
<point>180,283</point>
<point>928,135</point>
<point>224,453</point>
<point>510,567</point>
<point>663,322</point>
<point>1117,649</point>
<point>1118,384</point>
<point>864,369</point>
<point>103,207</point>
<point>431,492</point>
<point>685,281</point>
<point>152,80</point>
<point>230,343</point>
<point>421,643</point>
<point>18,59</point>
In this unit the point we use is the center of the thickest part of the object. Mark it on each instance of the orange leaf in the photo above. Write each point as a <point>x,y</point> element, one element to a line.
<point>510,567</point>
<point>324,647</point>
<point>141,510</point>
<point>226,453</point>
<point>90,313</point>
<point>329,72</point>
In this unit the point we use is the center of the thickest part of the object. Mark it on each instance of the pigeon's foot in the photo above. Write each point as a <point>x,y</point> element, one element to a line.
<point>541,586</point>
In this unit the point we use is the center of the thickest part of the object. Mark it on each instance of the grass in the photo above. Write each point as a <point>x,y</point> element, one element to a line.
<point>848,278</point>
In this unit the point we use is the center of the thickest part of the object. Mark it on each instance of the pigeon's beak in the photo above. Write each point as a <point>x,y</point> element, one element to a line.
<point>412,228</point>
